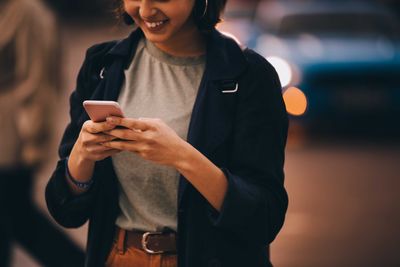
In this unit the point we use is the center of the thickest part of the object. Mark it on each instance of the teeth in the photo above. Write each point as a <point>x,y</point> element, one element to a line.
<point>154,24</point>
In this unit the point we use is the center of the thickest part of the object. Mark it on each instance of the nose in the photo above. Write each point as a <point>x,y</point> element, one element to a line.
<point>146,9</point>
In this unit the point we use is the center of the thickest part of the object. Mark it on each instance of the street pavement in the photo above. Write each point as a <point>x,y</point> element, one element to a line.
<point>344,207</point>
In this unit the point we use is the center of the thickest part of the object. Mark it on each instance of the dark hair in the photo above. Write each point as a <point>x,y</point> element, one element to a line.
<point>212,15</point>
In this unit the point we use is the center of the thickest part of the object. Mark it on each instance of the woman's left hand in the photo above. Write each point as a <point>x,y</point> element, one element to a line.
<point>150,138</point>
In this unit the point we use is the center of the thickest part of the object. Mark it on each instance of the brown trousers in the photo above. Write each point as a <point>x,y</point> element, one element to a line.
<point>125,256</point>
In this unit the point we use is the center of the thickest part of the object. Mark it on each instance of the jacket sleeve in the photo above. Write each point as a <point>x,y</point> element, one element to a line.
<point>67,209</point>
<point>256,201</point>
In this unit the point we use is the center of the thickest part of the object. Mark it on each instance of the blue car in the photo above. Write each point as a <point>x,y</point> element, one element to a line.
<point>338,61</point>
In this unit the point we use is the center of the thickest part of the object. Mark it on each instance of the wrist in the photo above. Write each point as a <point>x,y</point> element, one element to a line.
<point>83,185</point>
<point>185,156</point>
<point>80,168</point>
<point>83,163</point>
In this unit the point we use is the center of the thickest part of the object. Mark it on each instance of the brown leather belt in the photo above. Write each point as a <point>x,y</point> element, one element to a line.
<point>150,242</point>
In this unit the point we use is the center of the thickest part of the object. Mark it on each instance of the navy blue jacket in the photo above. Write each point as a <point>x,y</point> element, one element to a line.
<point>242,131</point>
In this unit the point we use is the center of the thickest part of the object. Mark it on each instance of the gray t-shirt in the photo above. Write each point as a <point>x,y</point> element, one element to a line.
<point>157,85</point>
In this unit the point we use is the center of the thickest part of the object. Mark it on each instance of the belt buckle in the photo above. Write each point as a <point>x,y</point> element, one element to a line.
<point>145,242</point>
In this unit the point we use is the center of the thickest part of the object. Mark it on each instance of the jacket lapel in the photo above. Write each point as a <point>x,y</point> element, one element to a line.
<point>213,111</point>
<point>120,57</point>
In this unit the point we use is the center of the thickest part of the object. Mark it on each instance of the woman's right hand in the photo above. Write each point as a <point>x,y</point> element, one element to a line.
<point>88,149</point>
<point>89,143</point>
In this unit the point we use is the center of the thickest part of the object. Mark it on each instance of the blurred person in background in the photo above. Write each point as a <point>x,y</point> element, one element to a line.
<point>193,174</point>
<point>29,83</point>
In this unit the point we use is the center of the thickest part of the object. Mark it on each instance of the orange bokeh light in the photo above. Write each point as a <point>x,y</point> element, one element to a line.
<point>295,101</point>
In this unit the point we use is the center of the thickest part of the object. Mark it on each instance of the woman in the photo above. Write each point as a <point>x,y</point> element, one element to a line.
<point>193,176</point>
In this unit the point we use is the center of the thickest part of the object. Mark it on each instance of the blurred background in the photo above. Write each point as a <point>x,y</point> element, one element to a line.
<point>339,65</point>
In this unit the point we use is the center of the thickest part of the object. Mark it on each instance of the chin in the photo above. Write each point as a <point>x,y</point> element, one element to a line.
<point>156,38</point>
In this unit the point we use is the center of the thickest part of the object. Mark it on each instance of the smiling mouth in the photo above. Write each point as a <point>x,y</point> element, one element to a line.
<point>155,25</point>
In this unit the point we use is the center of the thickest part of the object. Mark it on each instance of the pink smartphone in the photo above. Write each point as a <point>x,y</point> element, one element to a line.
<point>99,110</point>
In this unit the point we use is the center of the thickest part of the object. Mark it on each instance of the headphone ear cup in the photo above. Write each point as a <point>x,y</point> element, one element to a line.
<point>127,19</point>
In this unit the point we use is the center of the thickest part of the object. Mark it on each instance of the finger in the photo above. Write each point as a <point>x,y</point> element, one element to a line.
<point>97,127</point>
<point>89,139</point>
<point>126,134</point>
<point>98,138</point>
<point>95,149</point>
<point>130,123</point>
<point>123,145</point>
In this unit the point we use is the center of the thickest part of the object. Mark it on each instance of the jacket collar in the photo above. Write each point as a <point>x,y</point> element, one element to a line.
<point>224,59</point>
